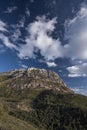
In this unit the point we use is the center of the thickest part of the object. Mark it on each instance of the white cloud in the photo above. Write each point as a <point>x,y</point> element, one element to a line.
<point>24,66</point>
<point>39,38</point>
<point>51,64</point>
<point>7,42</point>
<point>3,26</point>
<point>76,49</point>
<point>16,35</point>
<point>76,33</point>
<point>10,9</point>
<point>5,39</point>
<point>26,51</point>
<point>11,41</point>
<point>82,90</point>
<point>78,70</point>
<point>21,23</point>
<point>16,31</point>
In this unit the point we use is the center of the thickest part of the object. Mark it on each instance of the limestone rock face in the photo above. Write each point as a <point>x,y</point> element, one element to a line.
<point>34,78</point>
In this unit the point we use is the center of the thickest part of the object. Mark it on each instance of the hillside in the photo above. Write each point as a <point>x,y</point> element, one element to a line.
<point>37,99</point>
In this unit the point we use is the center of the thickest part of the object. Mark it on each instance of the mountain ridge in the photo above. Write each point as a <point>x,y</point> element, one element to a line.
<point>35,78</point>
<point>38,99</point>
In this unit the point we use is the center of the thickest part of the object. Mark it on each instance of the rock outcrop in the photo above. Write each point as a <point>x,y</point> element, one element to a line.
<point>34,78</point>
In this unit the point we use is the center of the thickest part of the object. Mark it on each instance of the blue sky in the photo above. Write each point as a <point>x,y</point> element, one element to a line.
<point>50,34</point>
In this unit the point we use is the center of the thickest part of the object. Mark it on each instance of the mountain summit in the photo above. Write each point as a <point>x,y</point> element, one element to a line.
<point>38,99</point>
<point>34,78</point>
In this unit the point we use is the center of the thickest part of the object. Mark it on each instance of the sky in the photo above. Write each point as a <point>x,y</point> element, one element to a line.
<point>49,34</point>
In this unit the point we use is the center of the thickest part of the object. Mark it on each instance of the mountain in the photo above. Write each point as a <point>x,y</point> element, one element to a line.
<point>34,78</point>
<point>38,99</point>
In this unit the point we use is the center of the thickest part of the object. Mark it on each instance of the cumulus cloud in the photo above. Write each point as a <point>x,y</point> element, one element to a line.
<point>26,51</point>
<point>3,26</point>
<point>5,39</point>
<point>76,49</point>
<point>51,64</point>
<point>24,66</point>
<point>10,38</point>
<point>10,9</point>
<point>76,34</point>
<point>7,42</point>
<point>16,31</point>
<point>39,39</point>
<point>16,34</point>
<point>78,70</point>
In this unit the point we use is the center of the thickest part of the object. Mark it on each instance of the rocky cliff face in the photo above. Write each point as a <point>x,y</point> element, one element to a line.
<point>34,79</point>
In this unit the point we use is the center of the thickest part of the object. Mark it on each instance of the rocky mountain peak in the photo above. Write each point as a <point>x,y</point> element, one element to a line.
<point>35,78</point>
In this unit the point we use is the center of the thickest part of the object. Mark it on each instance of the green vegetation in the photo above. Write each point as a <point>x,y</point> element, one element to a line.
<point>8,122</point>
<point>44,109</point>
<point>54,111</point>
<point>40,109</point>
<point>2,78</point>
